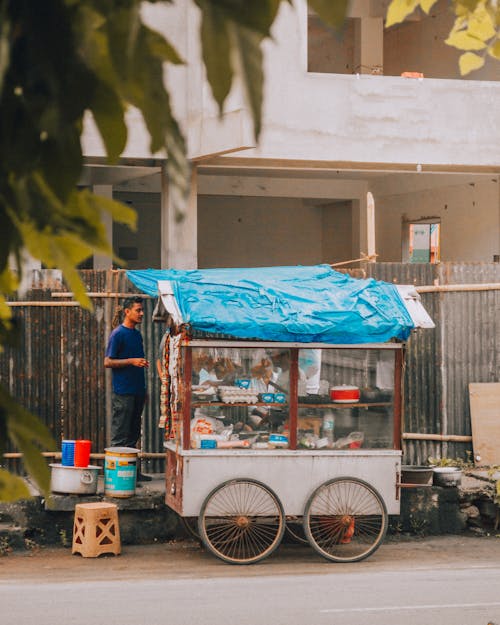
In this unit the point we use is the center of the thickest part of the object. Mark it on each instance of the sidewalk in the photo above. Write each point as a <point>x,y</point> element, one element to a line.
<point>187,559</point>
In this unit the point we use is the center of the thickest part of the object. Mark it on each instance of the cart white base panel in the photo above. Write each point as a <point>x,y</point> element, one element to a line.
<point>292,475</point>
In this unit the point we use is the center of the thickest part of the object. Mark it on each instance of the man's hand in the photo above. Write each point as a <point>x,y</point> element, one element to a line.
<point>139,362</point>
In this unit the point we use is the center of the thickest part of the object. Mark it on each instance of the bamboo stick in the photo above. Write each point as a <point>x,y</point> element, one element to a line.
<point>450,288</point>
<point>96,456</point>
<point>452,438</point>
<point>101,295</point>
<point>42,304</point>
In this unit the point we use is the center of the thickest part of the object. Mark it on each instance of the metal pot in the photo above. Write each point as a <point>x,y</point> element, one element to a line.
<point>447,476</point>
<point>74,480</point>
<point>421,475</point>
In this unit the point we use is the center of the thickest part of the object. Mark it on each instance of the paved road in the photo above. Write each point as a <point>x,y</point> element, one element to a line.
<point>423,584</point>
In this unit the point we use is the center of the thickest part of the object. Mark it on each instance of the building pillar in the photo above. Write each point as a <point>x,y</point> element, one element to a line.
<point>101,261</point>
<point>370,226</point>
<point>369,45</point>
<point>363,226</point>
<point>179,234</point>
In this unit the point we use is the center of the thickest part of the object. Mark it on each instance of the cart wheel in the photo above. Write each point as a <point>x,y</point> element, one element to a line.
<point>295,529</point>
<point>190,524</point>
<point>345,520</point>
<point>241,521</point>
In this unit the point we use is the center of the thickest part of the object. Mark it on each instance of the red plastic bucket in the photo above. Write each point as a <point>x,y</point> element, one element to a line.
<point>82,453</point>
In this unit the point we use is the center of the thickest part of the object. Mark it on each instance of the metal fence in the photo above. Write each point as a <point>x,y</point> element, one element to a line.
<point>57,370</point>
<point>441,363</point>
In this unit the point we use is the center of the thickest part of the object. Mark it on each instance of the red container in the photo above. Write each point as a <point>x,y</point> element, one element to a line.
<point>82,453</point>
<point>344,394</point>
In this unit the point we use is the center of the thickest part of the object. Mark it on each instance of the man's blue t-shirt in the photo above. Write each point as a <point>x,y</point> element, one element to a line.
<point>127,343</point>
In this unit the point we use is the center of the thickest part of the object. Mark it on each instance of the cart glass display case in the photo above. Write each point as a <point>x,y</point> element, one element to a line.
<point>265,396</point>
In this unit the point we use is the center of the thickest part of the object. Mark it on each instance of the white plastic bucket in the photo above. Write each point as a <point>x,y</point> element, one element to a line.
<point>120,471</point>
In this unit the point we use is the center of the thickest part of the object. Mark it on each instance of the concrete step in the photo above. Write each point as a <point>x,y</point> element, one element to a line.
<point>11,537</point>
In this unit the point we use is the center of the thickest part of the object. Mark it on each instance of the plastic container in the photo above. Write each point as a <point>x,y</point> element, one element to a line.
<point>278,440</point>
<point>68,453</point>
<point>328,427</point>
<point>344,394</point>
<point>243,382</point>
<point>120,471</point>
<point>82,453</point>
<point>267,398</point>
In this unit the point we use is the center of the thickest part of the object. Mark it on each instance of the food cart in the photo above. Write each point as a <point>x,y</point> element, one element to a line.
<point>264,433</point>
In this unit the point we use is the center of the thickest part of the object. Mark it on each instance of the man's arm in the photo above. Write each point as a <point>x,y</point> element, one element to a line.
<point>119,363</point>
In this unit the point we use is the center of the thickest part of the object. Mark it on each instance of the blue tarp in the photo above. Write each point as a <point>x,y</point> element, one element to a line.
<point>299,304</point>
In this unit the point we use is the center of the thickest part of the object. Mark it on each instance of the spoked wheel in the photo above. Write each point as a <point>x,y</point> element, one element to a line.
<point>295,529</point>
<point>345,520</point>
<point>241,521</point>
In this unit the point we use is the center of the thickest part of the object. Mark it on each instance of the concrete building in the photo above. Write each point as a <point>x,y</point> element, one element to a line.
<point>353,158</point>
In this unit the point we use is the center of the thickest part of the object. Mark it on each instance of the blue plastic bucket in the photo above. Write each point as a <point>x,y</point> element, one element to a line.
<point>68,453</point>
<point>120,471</point>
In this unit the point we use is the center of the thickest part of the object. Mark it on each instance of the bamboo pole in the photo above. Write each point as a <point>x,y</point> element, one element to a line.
<point>452,438</point>
<point>101,295</point>
<point>72,303</point>
<point>42,304</point>
<point>450,288</point>
<point>96,456</point>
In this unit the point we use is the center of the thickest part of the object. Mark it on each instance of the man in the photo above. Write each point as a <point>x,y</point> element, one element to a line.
<point>125,357</point>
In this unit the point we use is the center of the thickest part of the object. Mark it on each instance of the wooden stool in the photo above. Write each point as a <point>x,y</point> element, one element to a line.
<point>96,529</point>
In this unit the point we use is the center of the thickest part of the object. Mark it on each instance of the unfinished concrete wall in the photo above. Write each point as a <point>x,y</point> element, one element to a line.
<point>327,51</point>
<point>337,228</point>
<point>323,117</point>
<point>468,213</point>
<point>141,249</point>
<point>254,231</point>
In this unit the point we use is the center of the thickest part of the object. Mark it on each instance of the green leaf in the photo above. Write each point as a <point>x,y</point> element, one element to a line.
<point>5,311</point>
<point>469,62</point>
<point>481,24</point>
<point>120,212</point>
<point>257,16</point>
<point>8,281</point>
<point>249,58</point>
<point>216,50</point>
<point>12,487</point>
<point>161,48</point>
<point>332,12</point>
<point>94,46</point>
<point>108,113</point>
<point>463,41</point>
<point>5,27</point>
<point>62,160</point>
<point>399,10</point>
<point>29,434</point>
<point>494,50</point>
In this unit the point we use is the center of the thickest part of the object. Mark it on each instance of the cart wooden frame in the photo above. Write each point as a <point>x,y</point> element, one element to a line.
<point>243,498</point>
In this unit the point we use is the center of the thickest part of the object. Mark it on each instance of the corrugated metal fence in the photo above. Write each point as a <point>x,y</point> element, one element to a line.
<point>441,363</point>
<point>57,372</point>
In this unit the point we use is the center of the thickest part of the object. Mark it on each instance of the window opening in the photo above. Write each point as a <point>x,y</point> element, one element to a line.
<point>421,242</point>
